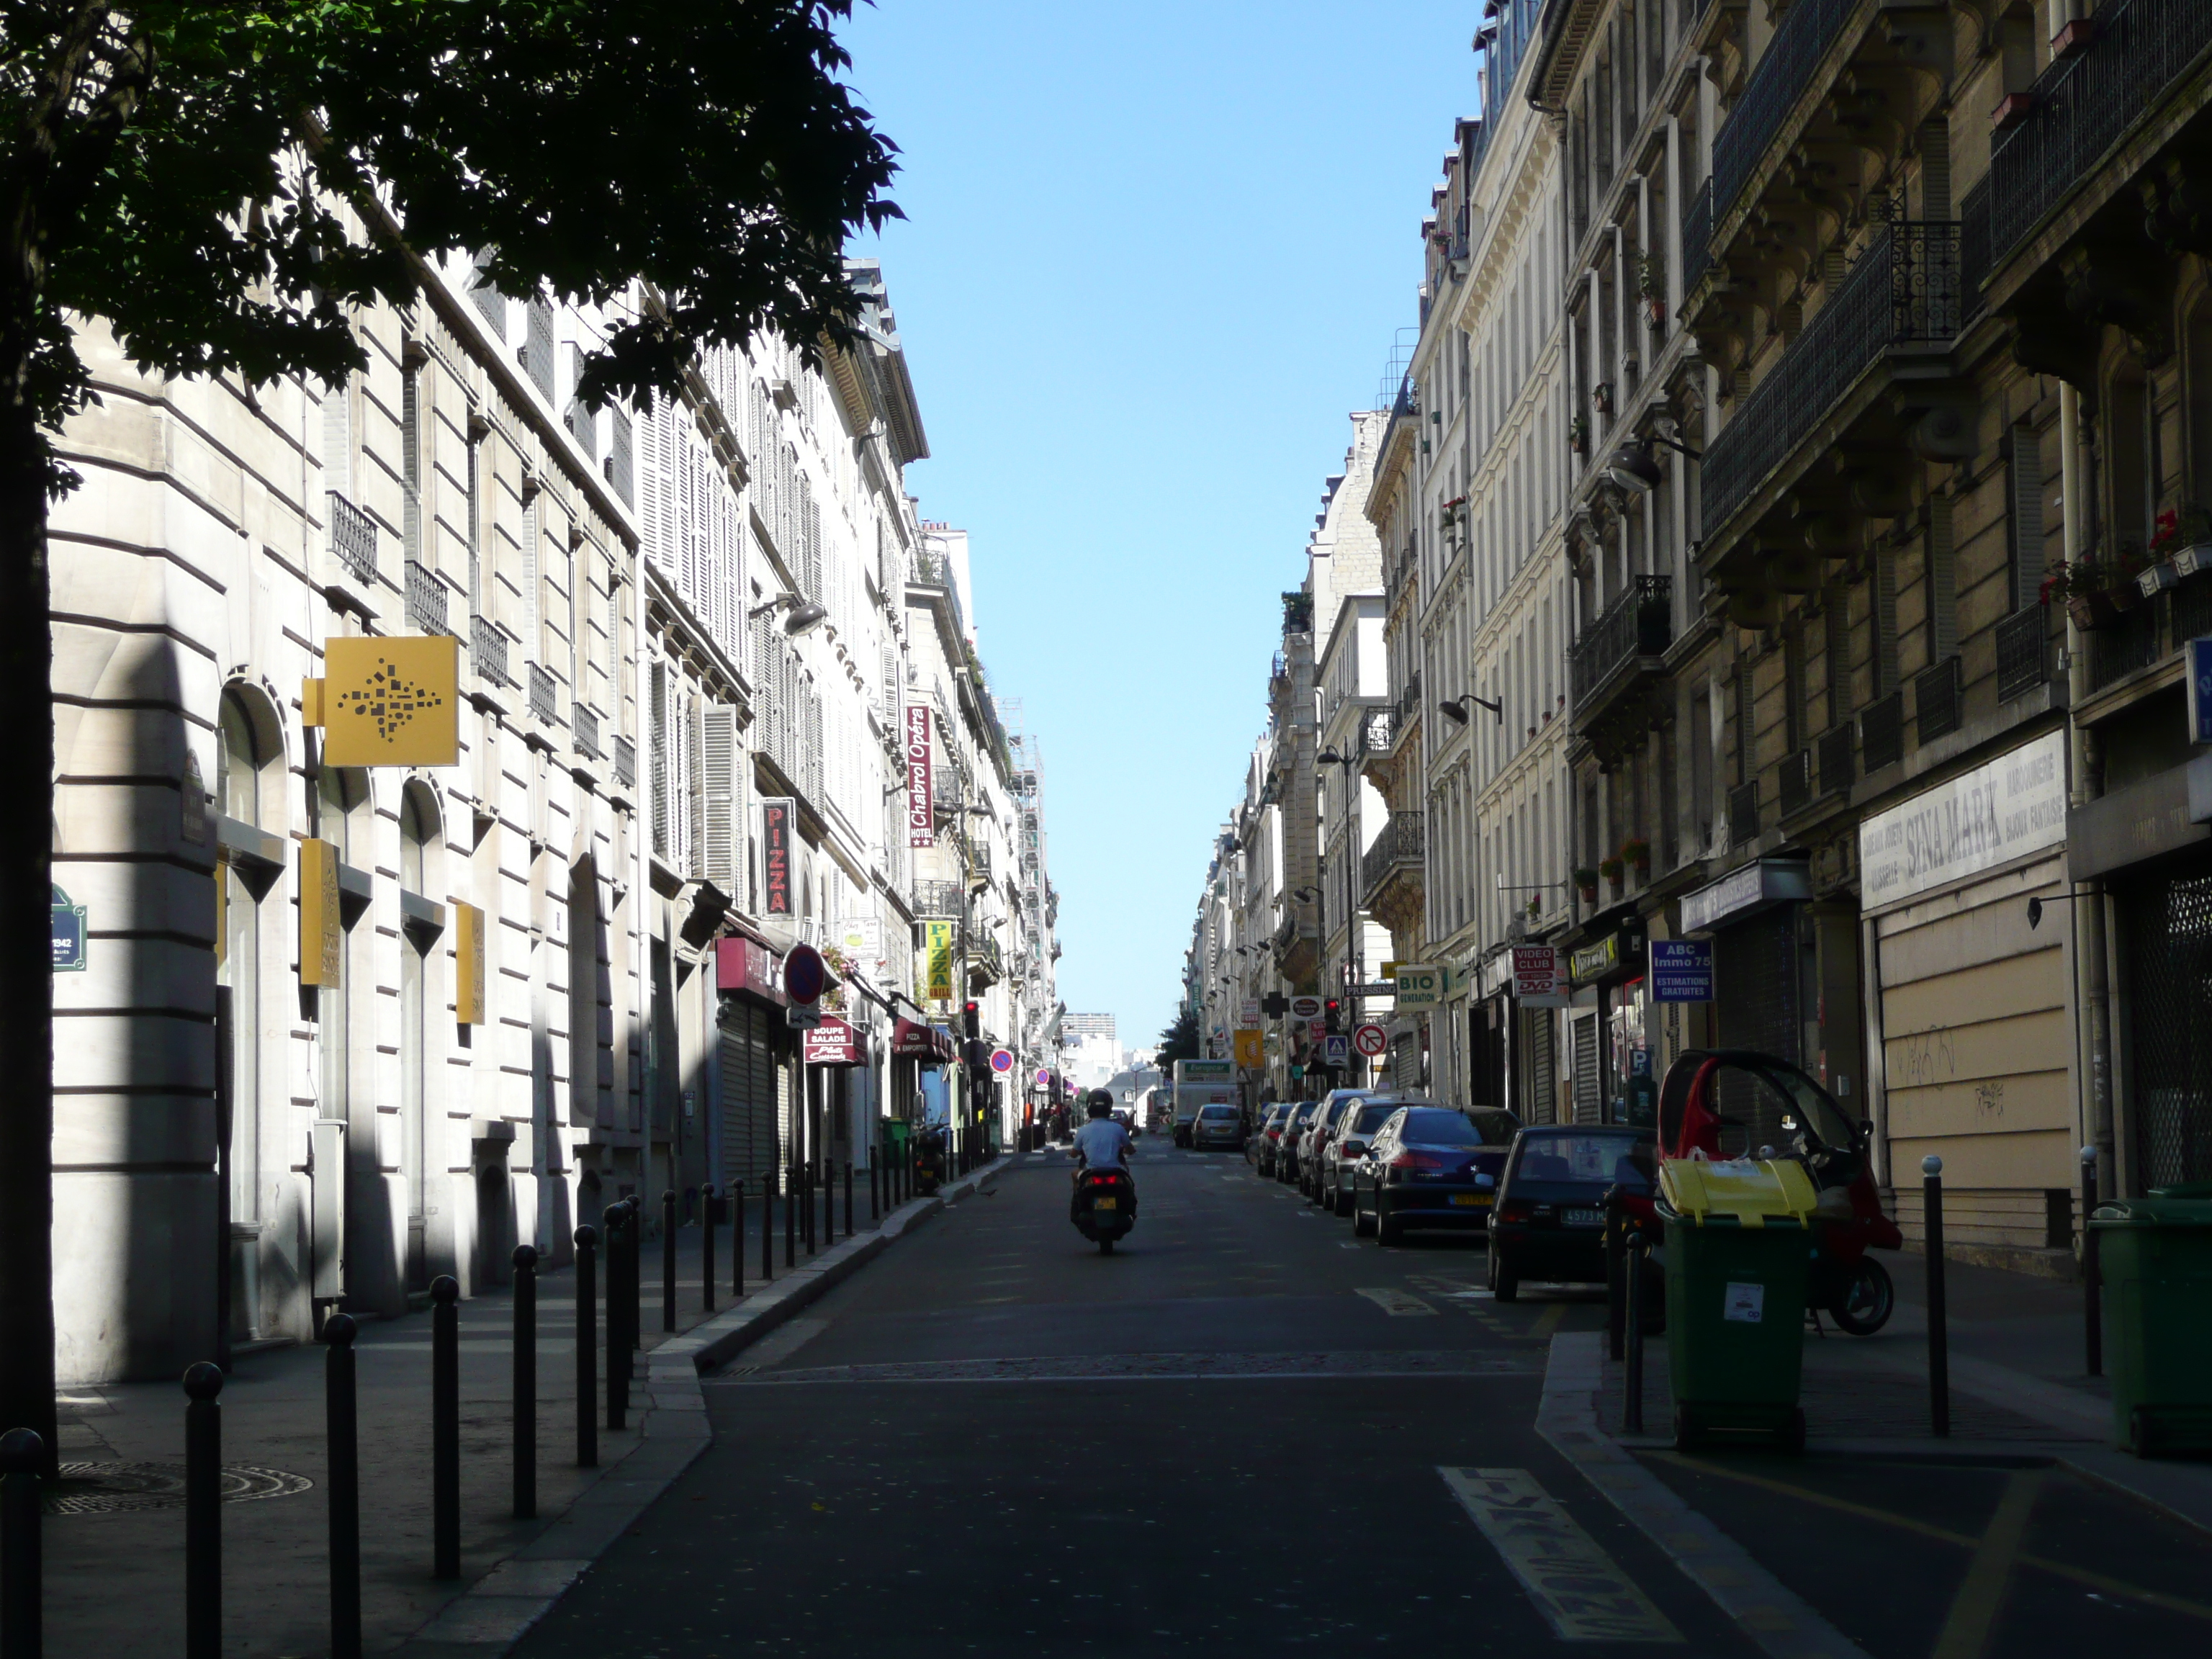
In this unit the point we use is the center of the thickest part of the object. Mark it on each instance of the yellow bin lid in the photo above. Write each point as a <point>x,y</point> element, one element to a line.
<point>1740,1189</point>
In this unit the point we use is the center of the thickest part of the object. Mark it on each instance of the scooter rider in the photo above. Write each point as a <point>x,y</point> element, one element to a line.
<point>1102,1144</point>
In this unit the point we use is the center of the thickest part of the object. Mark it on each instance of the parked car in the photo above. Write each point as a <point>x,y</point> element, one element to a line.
<point>1271,1136</point>
<point>1267,1114</point>
<point>1549,1220</point>
<point>1216,1125</point>
<point>1431,1166</point>
<point>1287,1144</point>
<point>1316,1135</point>
<point>1347,1143</point>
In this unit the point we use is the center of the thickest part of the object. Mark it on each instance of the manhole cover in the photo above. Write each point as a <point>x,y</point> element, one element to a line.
<point>115,1488</point>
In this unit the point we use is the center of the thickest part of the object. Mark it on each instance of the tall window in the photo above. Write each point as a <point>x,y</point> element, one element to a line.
<point>418,819</point>
<point>240,759</point>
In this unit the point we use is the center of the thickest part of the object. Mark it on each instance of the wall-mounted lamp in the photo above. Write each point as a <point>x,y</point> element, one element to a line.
<point>804,614</point>
<point>1457,707</point>
<point>1633,466</point>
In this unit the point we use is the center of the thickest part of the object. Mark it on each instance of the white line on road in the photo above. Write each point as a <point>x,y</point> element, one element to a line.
<point>1573,1582</point>
<point>1399,1304</point>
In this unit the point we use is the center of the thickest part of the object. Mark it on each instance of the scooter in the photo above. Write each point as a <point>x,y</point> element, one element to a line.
<point>1105,1206</point>
<point>929,1165</point>
<point>1847,1284</point>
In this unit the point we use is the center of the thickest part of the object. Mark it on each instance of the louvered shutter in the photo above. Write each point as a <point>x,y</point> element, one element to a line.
<point>657,752</point>
<point>717,787</point>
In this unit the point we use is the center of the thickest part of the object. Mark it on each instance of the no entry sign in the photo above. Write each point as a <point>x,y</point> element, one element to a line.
<point>1370,1040</point>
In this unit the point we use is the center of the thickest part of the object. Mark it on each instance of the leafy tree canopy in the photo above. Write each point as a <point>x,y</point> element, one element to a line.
<point>173,166</point>
<point>1180,1040</point>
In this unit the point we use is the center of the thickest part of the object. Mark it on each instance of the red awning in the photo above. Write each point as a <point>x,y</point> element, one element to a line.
<point>911,1040</point>
<point>835,1042</point>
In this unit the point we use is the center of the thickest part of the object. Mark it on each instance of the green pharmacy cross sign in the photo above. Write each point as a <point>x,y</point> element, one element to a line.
<point>69,934</point>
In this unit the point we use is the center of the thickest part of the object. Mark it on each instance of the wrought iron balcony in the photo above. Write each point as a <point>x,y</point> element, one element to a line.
<point>426,599</point>
<point>985,962</point>
<point>2021,638</point>
<point>352,535</point>
<point>588,731</point>
<point>1904,289</point>
<point>2082,105</point>
<point>1630,635</point>
<point>542,700</point>
<point>1936,700</point>
<point>625,762</point>
<point>488,650</point>
<point>1407,714</point>
<point>1835,757</point>
<point>1776,84</point>
<point>1399,846</point>
<point>1377,730</point>
<point>1796,782</point>
<point>939,899</point>
<point>1881,731</point>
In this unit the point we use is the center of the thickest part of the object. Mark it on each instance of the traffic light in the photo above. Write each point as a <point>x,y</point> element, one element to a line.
<point>1333,1015</point>
<point>971,1022</point>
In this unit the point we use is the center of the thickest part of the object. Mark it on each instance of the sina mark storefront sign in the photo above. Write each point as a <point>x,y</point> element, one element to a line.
<point>2014,807</point>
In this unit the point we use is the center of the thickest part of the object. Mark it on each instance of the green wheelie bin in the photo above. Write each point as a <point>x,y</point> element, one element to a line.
<point>1739,1245</point>
<point>2154,1256</point>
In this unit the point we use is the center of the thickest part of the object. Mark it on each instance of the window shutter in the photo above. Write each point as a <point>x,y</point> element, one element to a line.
<point>537,349</point>
<point>717,861</point>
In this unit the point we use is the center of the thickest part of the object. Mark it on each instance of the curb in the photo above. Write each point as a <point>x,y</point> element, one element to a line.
<point>1774,1619</point>
<point>491,1616</point>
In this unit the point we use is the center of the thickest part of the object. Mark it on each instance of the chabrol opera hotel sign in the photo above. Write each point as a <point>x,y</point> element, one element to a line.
<point>920,830</point>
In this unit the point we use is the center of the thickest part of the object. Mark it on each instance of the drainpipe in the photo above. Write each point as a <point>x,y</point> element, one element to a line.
<point>2091,982</point>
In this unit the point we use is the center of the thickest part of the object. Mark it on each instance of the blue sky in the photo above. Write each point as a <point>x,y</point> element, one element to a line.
<point>1155,254</point>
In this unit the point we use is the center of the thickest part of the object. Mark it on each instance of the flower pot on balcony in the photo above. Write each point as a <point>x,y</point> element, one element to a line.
<point>2156,580</point>
<point>2188,561</point>
<point>2124,595</point>
<point>2090,610</point>
<point>2074,37</point>
<point>1655,308</point>
<point>1589,894</point>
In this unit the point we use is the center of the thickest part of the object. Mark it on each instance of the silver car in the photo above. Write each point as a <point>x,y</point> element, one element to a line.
<point>1345,1147</point>
<point>1216,1125</point>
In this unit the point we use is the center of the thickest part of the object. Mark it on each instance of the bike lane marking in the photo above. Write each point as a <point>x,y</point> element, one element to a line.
<point>1575,1585</point>
<point>1399,1304</point>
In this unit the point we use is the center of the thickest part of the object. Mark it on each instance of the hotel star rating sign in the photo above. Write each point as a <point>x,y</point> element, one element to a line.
<point>388,702</point>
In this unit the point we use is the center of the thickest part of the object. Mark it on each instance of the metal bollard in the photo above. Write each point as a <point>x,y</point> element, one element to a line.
<point>2092,1281</point>
<point>875,1209</point>
<point>588,1345</point>
<point>203,1513</point>
<point>791,1218</point>
<point>806,1190</point>
<point>341,1427</point>
<point>1631,1416</point>
<point>830,1207</point>
<point>848,1198</point>
<point>22,1461</point>
<point>668,1260</point>
<point>616,1219</point>
<point>1939,1353</point>
<point>707,1249</point>
<point>445,1427</point>
<point>1615,1319</point>
<point>633,1299</point>
<point>526,1382</point>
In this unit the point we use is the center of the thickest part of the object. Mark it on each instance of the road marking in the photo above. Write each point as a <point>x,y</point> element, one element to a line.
<point>1548,1322</point>
<point>1573,1582</point>
<point>1399,1304</point>
<point>1974,1610</point>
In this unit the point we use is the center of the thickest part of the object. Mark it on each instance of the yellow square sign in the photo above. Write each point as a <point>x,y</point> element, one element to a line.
<point>391,701</point>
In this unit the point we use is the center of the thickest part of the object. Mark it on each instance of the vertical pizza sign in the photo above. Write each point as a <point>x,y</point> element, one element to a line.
<point>920,832</point>
<point>775,855</point>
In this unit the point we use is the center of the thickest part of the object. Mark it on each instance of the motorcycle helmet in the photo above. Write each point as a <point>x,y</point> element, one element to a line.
<point>1099,1102</point>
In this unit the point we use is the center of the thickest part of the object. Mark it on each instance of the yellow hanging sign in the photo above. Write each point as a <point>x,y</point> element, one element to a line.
<point>1252,1049</point>
<point>937,959</point>
<point>320,928</point>
<point>468,964</point>
<point>388,702</point>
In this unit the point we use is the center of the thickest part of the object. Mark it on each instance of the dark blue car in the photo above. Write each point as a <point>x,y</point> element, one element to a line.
<point>1431,1166</point>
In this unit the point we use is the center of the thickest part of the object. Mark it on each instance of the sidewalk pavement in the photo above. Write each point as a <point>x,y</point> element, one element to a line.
<point>114,1539</point>
<point>2019,1387</point>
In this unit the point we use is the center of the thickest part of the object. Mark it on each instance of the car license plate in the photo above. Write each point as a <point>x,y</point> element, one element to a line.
<point>1473,1200</point>
<point>1105,1203</point>
<point>1582,1217</point>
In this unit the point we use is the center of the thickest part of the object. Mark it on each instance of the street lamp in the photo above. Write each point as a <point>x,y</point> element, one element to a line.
<point>1633,466</point>
<point>804,614</point>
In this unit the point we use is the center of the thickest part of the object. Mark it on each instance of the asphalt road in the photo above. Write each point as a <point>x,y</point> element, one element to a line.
<point>1246,1432</point>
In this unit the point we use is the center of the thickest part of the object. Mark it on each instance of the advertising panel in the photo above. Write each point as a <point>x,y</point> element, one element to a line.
<point>776,847</point>
<point>938,939</point>
<point>921,830</point>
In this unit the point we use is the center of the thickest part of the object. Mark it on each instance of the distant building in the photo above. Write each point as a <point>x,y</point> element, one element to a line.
<point>1093,1052</point>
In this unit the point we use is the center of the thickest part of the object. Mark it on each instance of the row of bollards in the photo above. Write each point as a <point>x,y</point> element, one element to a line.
<point>613,1250</point>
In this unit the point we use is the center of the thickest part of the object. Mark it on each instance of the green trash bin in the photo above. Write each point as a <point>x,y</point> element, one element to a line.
<point>1739,1255</point>
<point>2154,1256</point>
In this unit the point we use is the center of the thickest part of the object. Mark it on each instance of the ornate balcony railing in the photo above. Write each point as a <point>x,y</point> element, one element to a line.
<point>543,703</point>
<point>588,730</point>
<point>1409,706</point>
<point>2084,105</point>
<point>2020,640</point>
<point>1399,843</point>
<point>353,538</point>
<point>1905,289</point>
<point>625,762</point>
<point>939,899</point>
<point>488,650</point>
<point>426,599</point>
<point>1881,731</point>
<point>1936,700</point>
<point>1639,623</point>
<point>1835,758</point>
<point>1377,730</point>
<point>1777,81</point>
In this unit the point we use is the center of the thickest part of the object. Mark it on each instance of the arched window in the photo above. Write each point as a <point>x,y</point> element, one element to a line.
<point>247,789</point>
